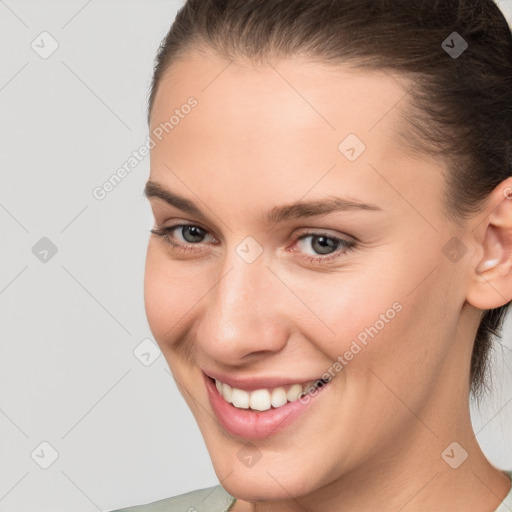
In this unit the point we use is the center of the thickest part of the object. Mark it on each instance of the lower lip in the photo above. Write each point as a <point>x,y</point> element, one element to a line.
<point>251,424</point>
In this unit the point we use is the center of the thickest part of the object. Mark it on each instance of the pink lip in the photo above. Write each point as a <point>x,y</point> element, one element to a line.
<point>251,424</point>
<point>252,383</point>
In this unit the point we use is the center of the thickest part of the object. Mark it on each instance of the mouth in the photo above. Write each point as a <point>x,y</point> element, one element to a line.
<point>259,413</point>
<point>263,399</point>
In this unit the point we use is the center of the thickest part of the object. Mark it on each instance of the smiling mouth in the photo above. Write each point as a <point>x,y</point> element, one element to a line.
<point>265,398</point>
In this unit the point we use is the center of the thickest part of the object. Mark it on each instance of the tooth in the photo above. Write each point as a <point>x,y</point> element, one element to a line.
<point>240,398</point>
<point>227,392</point>
<point>294,392</point>
<point>310,386</point>
<point>264,399</point>
<point>278,397</point>
<point>260,400</point>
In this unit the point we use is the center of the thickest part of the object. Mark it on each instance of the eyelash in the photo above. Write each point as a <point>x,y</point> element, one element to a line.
<point>347,246</point>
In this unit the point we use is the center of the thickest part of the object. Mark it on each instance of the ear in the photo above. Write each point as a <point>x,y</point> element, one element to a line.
<point>491,279</point>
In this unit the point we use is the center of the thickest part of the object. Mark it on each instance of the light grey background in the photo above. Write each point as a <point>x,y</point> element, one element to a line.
<point>70,324</point>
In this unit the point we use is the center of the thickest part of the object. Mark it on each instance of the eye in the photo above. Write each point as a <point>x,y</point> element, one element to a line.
<point>323,246</point>
<point>191,234</point>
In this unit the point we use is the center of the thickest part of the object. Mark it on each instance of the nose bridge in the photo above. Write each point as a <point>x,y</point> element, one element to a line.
<point>238,316</point>
<point>241,284</point>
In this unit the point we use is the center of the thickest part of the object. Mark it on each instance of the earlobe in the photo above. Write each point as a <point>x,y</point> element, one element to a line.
<point>491,282</point>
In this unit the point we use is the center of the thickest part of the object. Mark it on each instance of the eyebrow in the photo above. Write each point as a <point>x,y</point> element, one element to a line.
<point>277,214</point>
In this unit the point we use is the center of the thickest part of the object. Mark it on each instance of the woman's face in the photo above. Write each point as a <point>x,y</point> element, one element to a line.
<point>264,293</point>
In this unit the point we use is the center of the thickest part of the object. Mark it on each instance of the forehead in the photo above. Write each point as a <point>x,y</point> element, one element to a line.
<point>338,96</point>
<point>283,125</point>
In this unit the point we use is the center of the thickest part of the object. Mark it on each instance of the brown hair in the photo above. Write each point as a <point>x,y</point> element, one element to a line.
<point>461,105</point>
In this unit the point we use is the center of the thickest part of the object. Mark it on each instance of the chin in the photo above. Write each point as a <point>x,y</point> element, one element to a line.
<point>265,481</point>
<point>267,489</point>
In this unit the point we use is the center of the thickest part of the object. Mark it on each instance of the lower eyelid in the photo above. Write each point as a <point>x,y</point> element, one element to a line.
<point>339,252</point>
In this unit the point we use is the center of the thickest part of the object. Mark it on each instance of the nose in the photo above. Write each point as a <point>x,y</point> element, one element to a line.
<point>244,314</point>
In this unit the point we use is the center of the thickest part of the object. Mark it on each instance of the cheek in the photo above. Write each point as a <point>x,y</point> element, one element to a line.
<point>169,293</point>
<point>369,317</point>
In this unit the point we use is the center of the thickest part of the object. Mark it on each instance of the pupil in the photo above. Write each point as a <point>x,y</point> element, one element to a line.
<point>195,233</point>
<point>324,243</point>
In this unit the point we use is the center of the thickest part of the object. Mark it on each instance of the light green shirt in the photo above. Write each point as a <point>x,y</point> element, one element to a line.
<point>216,499</point>
<point>211,499</point>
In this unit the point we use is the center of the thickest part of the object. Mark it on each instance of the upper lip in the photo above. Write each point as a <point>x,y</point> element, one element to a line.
<point>250,383</point>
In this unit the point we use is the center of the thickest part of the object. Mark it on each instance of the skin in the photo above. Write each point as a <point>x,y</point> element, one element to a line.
<point>266,135</point>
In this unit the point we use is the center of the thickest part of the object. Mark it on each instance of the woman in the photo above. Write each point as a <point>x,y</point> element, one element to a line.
<point>332,248</point>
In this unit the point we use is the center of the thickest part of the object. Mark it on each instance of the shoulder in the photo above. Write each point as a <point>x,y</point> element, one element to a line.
<point>210,499</point>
